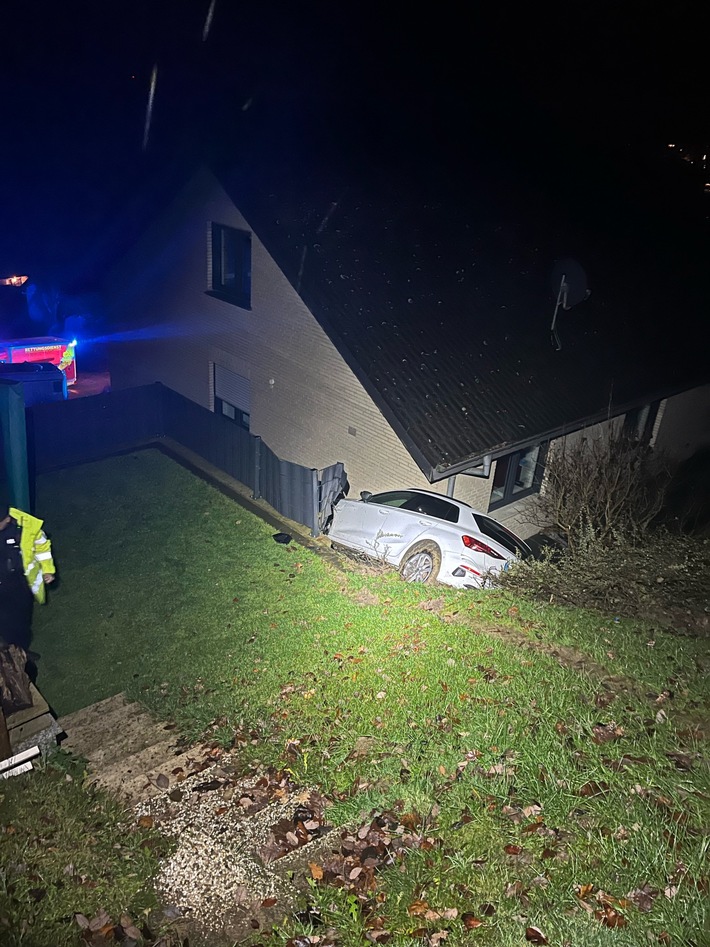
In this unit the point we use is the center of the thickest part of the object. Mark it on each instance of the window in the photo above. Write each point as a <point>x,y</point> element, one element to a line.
<point>517,475</point>
<point>502,535</point>
<point>241,418</point>
<point>230,265</point>
<point>232,396</point>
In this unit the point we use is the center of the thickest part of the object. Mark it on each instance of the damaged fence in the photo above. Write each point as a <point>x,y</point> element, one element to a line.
<point>67,433</point>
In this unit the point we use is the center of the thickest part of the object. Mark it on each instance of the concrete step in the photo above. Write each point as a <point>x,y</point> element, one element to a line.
<point>112,730</point>
<point>125,729</point>
<point>86,728</point>
<point>127,750</point>
<point>138,734</point>
<point>136,778</point>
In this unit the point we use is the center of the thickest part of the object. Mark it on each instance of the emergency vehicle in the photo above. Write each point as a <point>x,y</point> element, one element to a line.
<point>57,352</point>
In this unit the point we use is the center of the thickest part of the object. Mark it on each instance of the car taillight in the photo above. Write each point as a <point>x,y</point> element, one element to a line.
<point>478,546</point>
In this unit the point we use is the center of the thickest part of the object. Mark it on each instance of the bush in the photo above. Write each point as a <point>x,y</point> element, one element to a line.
<point>601,489</point>
<point>660,577</point>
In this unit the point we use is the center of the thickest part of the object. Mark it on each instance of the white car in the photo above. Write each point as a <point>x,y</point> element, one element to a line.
<point>427,536</point>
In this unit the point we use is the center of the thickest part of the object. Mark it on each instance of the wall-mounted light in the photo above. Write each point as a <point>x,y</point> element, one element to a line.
<point>272,382</point>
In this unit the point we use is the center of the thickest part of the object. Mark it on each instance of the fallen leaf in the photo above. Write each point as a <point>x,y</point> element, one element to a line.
<point>643,897</point>
<point>362,748</point>
<point>100,921</point>
<point>610,917</point>
<point>269,902</point>
<point>418,908</point>
<point>316,871</point>
<point>517,889</point>
<point>604,732</point>
<point>535,936</point>
<point>448,914</point>
<point>470,921</point>
<point>500,769</point>
<point>146,821</point>
<point>683,761</point>
<point>593,788</point>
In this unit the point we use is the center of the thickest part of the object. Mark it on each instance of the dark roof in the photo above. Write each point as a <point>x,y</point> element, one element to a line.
<point>435,281</point>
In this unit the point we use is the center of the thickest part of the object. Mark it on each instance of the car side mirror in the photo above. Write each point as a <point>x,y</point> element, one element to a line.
<point>365,495</point>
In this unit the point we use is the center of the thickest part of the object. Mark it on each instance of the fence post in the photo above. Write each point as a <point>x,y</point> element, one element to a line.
<point>257,468</point>
<point>315,496</point>
<point>161,395</point>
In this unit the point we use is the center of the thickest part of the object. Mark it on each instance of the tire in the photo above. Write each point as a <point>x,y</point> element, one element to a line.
<point>421,563</point>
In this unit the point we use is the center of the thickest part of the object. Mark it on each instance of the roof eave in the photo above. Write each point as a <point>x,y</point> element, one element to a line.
<point>500,450</point>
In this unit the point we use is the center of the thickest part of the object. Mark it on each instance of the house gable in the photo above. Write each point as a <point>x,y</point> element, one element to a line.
<point>305,401</point>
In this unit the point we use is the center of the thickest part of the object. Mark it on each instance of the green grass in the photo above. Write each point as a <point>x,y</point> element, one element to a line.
<point>66,850</point>
<point>173,593</point>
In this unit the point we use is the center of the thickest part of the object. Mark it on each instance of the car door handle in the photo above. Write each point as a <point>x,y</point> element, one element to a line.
<point>382,512</point>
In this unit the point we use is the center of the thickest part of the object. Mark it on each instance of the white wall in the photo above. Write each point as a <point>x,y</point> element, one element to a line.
<point>684,423</point>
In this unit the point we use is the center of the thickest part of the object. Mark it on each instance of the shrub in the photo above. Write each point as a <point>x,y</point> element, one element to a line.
<point>659,576</point>
<point>601,488</point>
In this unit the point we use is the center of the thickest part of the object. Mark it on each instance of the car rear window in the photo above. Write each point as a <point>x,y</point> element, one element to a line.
<point>495,530</point>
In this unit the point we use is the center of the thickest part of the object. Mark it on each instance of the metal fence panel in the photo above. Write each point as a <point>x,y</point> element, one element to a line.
<point>215,438</point>
<point>289,488</point>
<point>65,433</point>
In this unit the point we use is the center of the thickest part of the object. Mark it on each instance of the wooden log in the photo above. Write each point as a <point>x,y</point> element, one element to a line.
<point>5,748</point>
<point>15,693</point>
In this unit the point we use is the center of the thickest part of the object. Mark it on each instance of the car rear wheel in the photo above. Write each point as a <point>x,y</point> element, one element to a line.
<point>421,563</point>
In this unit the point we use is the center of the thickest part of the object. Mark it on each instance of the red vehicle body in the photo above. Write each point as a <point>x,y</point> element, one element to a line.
<point>58,352</point>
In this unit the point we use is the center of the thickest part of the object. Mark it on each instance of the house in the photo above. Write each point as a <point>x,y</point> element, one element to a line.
<point>406,330</point>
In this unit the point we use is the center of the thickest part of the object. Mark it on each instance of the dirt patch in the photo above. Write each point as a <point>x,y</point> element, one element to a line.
<point>248,848</point>
<point>229,833</point>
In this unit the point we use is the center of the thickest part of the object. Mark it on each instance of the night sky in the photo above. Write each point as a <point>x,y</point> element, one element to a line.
<point>555,92</point>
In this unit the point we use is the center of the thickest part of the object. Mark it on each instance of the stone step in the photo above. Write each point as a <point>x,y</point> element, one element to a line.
<point>134,736</point>
<point>86,728</point>
<point>131,733</point>
<point>126,749</point>
<point>94,728</point>
<point>135,778</point>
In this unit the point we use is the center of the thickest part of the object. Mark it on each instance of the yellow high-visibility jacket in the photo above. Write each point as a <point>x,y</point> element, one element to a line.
<point>36,552</point>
